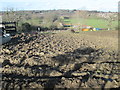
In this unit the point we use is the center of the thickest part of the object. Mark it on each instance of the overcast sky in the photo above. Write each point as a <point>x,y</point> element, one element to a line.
<point>100,5</point>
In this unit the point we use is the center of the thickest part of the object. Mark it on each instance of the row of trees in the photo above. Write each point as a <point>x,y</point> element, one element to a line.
<point>27,20</point>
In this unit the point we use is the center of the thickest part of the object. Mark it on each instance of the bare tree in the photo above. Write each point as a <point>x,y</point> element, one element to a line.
<point>110,17</point>
<point>50,19</point>
<point>11,15</point>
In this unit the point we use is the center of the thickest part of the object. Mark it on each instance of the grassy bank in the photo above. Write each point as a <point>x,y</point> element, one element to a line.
<point>94,22</point>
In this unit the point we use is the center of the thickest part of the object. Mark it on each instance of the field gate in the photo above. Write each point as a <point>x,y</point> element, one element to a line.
<point>10,27</point>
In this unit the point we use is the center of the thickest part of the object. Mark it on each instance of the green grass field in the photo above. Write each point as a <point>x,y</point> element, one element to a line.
<point>33,21</point>
<point>94,22</point>
<point>97,23</point>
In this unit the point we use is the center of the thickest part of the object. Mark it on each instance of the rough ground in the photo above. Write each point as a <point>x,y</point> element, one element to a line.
<point>61,60</point>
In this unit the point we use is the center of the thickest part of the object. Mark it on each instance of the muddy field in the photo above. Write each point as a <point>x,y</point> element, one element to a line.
<point>61,60</point>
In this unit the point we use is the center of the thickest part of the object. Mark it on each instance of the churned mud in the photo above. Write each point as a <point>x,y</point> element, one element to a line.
<point>61,60</point>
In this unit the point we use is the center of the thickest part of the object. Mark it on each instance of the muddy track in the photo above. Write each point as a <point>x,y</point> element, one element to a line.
<point>61,60</point>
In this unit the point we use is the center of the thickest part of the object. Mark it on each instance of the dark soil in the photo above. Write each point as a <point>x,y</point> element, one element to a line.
<point>61,60</point>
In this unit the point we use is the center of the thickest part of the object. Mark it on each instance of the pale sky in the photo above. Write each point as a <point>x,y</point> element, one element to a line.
<point>100,5</point>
